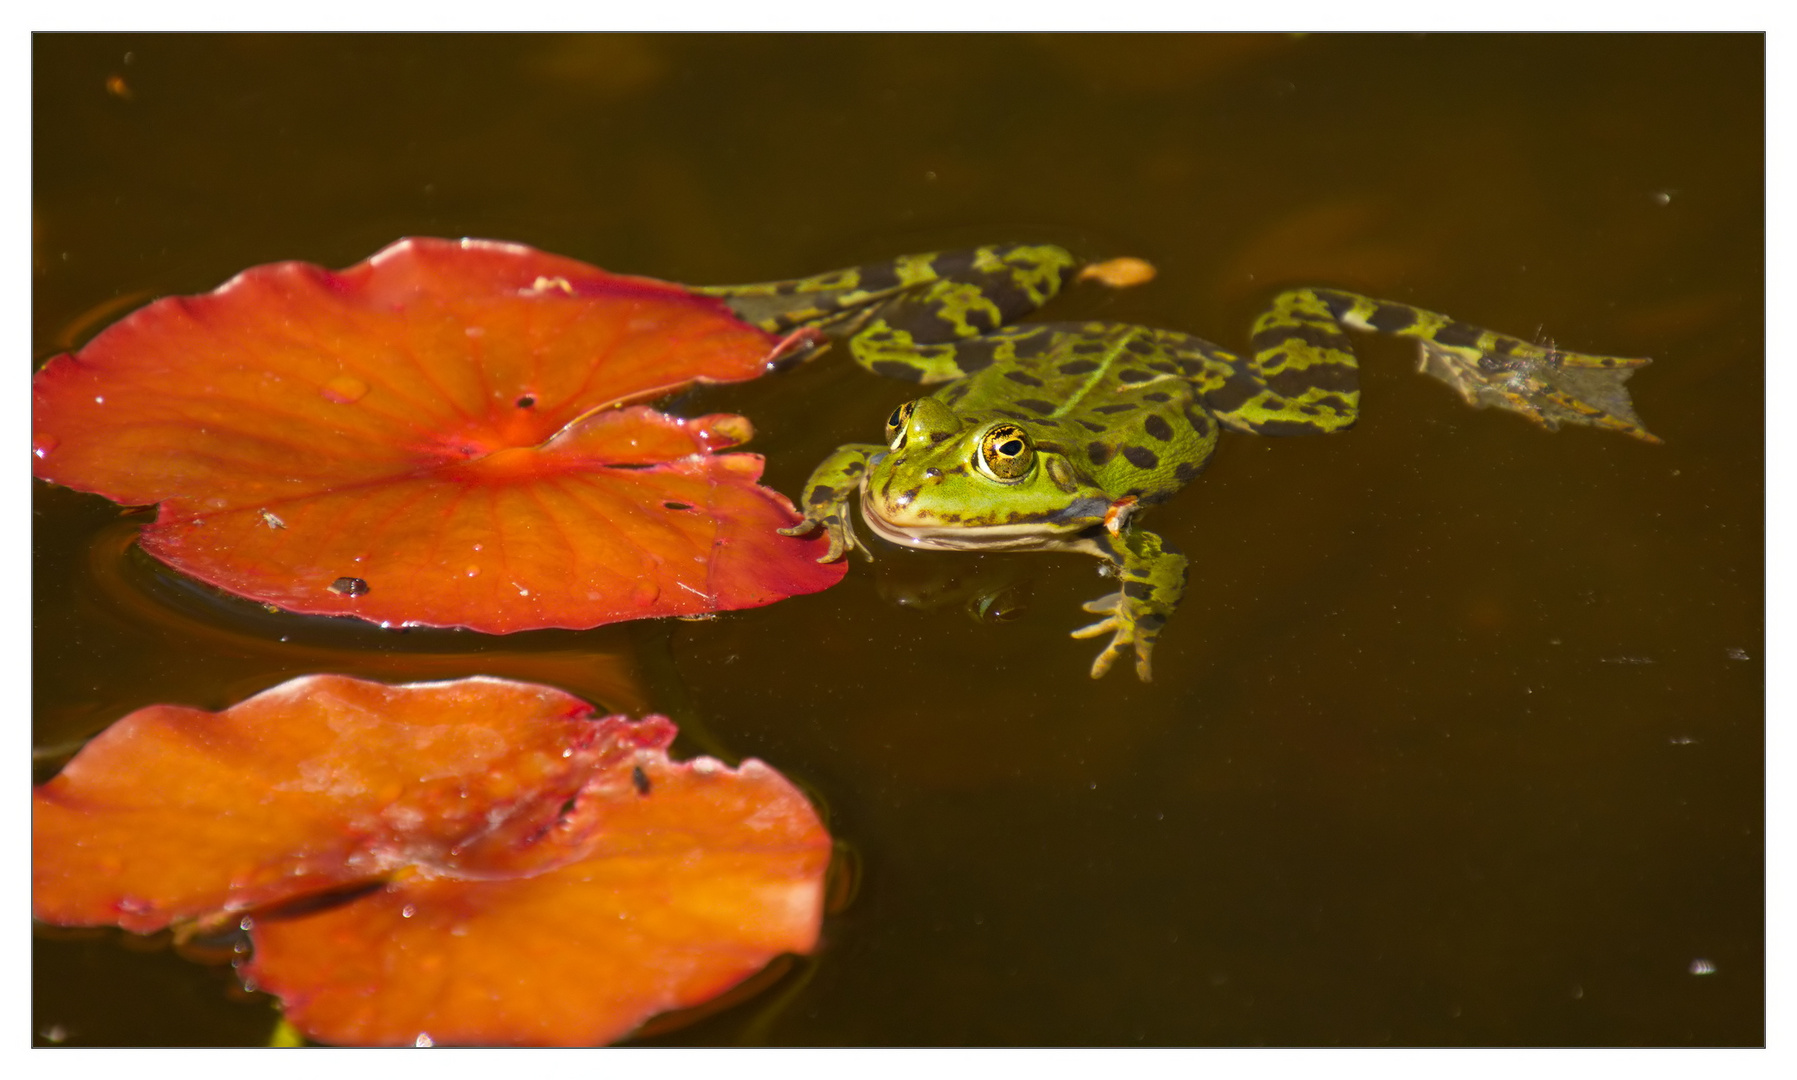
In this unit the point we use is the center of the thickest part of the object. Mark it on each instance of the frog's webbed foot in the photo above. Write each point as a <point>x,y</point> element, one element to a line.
<point>1544,384</point>
<point>1152,576</point>
<point>1125,635</point>
<point>839,528</point>
<point>825,501</point>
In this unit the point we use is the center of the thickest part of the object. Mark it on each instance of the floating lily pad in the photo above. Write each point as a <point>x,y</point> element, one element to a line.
<point>443,435</point>
<point>479,861</point>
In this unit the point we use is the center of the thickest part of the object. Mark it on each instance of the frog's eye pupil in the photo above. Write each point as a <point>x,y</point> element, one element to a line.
<point>1011,448</point>
<point>897,417</point>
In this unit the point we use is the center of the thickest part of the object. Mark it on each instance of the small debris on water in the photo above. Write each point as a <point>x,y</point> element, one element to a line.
<point>348,586</point>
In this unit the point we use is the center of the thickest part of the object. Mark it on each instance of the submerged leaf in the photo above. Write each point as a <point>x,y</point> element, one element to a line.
<point>441,435</point>
<point>507,868</point>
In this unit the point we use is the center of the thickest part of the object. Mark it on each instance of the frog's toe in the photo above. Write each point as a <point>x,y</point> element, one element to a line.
<point>1144,670</point>
<point>1104,605</point>
<point>1102,626</point>
<point>1102,665</point>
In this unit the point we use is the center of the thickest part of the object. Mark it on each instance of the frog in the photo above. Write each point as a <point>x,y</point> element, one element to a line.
<point>1056,436</point>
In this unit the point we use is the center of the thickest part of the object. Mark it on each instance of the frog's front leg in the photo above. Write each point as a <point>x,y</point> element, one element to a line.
<point>1151,577</point>
<point>825,500</point>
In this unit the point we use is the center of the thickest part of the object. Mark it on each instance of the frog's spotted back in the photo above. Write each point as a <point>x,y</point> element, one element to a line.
<point>1051,435</point>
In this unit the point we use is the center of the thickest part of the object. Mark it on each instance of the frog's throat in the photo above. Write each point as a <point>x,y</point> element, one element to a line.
<point>1009,536</point>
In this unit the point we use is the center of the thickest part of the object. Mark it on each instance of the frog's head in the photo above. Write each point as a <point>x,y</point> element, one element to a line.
<point>961,482</point>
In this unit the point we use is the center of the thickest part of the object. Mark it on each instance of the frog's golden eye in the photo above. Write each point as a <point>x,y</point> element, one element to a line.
<point>1005,453</point>
<point>896,424</point>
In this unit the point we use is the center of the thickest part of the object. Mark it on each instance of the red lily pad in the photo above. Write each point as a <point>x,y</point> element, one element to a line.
<point>443,435</point>
<point>522,872</point>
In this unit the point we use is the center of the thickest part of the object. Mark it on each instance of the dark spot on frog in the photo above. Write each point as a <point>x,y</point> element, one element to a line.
<point>1141,590</point>
<point>1029,340</point>
<point>348,586</point>
<point>1317,337</point>
<point>1157,427</point>
<point>1185,471</point>
<point>1389,318</point>
<point>821,493</point>
<point>1157,396</point>
<point>1078,367</point>
<point>1457,333</point>
<point>677,505</point>
<point>526,401</point>
<point>976,354</point>
<point>1293,382</point>
<point>892,369</point>
<point>1287,428</point>
<point>1200,422</point>
<point>639,778</point>
<point>1091,426</point>
<point>955,393</point>
<point>1023,377</point>
<point>1036,405</point>
<point>1078,509</point>
<point>1117,408</point>
<point>1151,621</point>
<point>1236,390</point>
<point>937,438</point>
<point>1099,452</point>
<point>876,277</point>
<point>1141,457</point>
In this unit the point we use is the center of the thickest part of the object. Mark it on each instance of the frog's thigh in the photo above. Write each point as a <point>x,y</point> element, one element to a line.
<point>1302,377</point>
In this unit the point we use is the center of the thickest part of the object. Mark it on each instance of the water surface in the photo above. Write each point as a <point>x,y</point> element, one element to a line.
<point>1458,737</point>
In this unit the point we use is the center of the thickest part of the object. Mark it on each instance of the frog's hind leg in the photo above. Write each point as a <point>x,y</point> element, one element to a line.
<point>1302,377</point>
<point>909,302</point>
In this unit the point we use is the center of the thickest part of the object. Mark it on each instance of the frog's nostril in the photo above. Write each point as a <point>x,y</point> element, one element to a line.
<point>932,473</point>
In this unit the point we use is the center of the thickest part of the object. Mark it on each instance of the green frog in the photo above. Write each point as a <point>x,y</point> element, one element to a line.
<point>1054,436</point>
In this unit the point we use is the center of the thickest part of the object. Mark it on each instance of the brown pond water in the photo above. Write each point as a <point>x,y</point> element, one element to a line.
<point>1458,737</point>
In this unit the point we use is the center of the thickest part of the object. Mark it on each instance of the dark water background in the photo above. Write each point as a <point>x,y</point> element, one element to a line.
<point>1458,737</point>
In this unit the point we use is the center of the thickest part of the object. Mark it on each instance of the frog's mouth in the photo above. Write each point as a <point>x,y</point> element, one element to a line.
<point>1022,533</point>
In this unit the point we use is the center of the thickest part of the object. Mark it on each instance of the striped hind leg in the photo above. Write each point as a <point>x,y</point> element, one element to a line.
<point>896,311</point>
<point>1302,377</point>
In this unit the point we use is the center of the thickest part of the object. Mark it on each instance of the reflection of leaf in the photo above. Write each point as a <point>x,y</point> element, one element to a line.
<point>441,435</point>
<point>538,875</point>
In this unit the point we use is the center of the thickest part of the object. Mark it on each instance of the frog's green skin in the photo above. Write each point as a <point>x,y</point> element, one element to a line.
<point>1049,436</point>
